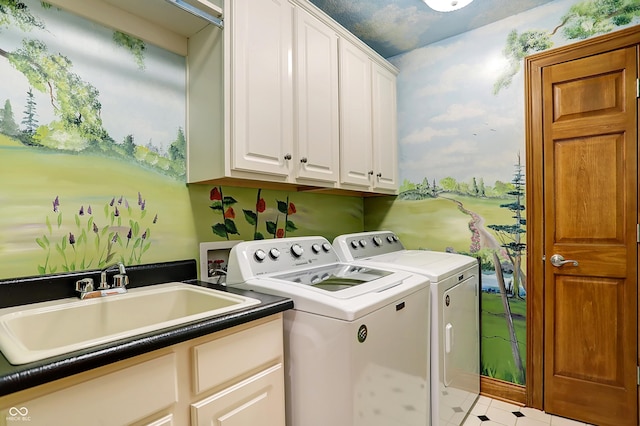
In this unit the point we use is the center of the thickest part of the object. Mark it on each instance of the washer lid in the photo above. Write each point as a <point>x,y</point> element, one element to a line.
<point>336,277</point>
<point>434,264</point>
<point>342,280</point>
<point>347,303</point>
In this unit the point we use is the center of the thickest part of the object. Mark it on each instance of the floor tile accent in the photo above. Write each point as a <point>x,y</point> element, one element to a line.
<point>492,412</point>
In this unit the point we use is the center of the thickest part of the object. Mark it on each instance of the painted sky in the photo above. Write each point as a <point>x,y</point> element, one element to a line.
<point>150,104</point>
<point>450,122</point>
<point>393,27</point>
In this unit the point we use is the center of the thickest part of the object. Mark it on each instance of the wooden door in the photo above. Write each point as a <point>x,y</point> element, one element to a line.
<point>589,194</point>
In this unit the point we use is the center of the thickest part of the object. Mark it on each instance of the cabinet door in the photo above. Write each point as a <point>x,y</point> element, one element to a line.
<point>258,400</point>
<point>261,85</point>
<point>385,132</point>
<point>317,96</point>
<point>355,115</point>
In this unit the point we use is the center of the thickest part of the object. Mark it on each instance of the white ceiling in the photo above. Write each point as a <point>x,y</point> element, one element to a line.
<point>393,27</point>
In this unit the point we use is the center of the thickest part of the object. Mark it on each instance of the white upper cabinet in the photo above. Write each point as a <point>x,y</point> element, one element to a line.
<point>356,129</point>
<point>261,79</point>
<point>385,129</point>
<point>368,122</point>
<point>318,134</point>
<point>285,95</point>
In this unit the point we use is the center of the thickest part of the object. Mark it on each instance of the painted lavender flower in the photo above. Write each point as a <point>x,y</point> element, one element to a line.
<point>92,241</point>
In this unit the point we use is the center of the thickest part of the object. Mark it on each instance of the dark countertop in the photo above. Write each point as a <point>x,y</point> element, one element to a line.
<point>14,378</point>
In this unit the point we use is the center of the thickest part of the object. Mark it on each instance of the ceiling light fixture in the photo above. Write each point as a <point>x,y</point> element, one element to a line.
<point>447,5</point>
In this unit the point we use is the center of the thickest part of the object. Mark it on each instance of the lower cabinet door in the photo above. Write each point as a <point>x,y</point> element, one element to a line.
<point>258,400</point>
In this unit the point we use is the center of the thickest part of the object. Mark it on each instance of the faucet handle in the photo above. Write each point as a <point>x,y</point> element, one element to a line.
<point>120,280</point>
<point>84,285</point>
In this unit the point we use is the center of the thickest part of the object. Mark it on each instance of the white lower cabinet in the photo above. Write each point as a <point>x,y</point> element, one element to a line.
<point>234,376</point>
<point>254,401</point>
<point>164,421</point>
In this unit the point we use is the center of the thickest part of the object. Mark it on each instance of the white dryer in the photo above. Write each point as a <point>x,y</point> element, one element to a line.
<point>357,339</point>
<point>455,315</point>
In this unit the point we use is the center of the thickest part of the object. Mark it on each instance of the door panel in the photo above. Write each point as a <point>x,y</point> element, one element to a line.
<point>590,202</point>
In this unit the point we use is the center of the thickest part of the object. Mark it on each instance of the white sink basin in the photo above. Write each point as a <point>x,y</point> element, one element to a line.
<point>41,330</point>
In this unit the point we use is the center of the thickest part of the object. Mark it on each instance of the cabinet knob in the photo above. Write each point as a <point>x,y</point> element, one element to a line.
<point>287,156</point>
<point>370,172</point>
<point>379,175</point>
<point>303,160</point>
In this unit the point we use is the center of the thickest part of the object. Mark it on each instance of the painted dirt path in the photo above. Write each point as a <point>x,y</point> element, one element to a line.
<point>481,237</point>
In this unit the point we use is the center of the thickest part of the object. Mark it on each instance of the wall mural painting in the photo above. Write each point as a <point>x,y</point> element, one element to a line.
<point>461,132</point>
<point>116,230</point>
<point>92,156</point>
<point>224,213</point>
<point>92,147</point>
<point>227,228</point>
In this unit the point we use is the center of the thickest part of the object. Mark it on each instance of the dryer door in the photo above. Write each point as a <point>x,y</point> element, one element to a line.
<point>460,328</point>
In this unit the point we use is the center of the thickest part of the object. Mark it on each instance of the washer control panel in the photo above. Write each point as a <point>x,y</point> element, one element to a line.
<point>366,244</point>
<point>255,258</point>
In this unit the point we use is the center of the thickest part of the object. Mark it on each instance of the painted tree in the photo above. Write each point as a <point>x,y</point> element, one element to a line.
<point>481,190</point>
<point>511,235</point>
<point>75,101</point>
<point>134,45</point>
<point>584,19</point>
<point>178,149</point>
<point>449,184</point>
<point>29,121</point>
<point>129,145</point>
<point>475,190</point>
<point>8,124</point>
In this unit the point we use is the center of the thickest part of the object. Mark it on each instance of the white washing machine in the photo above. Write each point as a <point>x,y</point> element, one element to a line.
<point>455,318</point>
<point>356,342</point>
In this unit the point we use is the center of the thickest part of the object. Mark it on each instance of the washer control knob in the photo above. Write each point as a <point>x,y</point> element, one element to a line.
<point>316,248</point>
<point>259,255</point>
<point>390,238</point>
<point>297,250</point>
<point>395,238</point>
<point>377,241</point>
<point>274,253</point>
<point>354,244</point>
<point>326,247</point>
<point>363,243</point>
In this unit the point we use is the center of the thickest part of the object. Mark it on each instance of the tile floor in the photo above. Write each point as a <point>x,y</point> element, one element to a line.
<point>491,412</point>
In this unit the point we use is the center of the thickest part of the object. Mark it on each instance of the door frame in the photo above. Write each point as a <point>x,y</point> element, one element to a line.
<point>534,196</point>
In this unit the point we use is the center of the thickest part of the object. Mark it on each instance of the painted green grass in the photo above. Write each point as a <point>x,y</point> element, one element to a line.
<point>497,358</point>
<point>435,223</point>
<point>32,178</point>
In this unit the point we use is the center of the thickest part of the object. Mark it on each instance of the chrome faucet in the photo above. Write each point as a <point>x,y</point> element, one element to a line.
<point>86,290</point>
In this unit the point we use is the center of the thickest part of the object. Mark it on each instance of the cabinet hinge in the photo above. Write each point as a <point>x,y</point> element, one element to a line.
<point>638,369</point>
<point>638,233</point>
<point>637,87</point>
